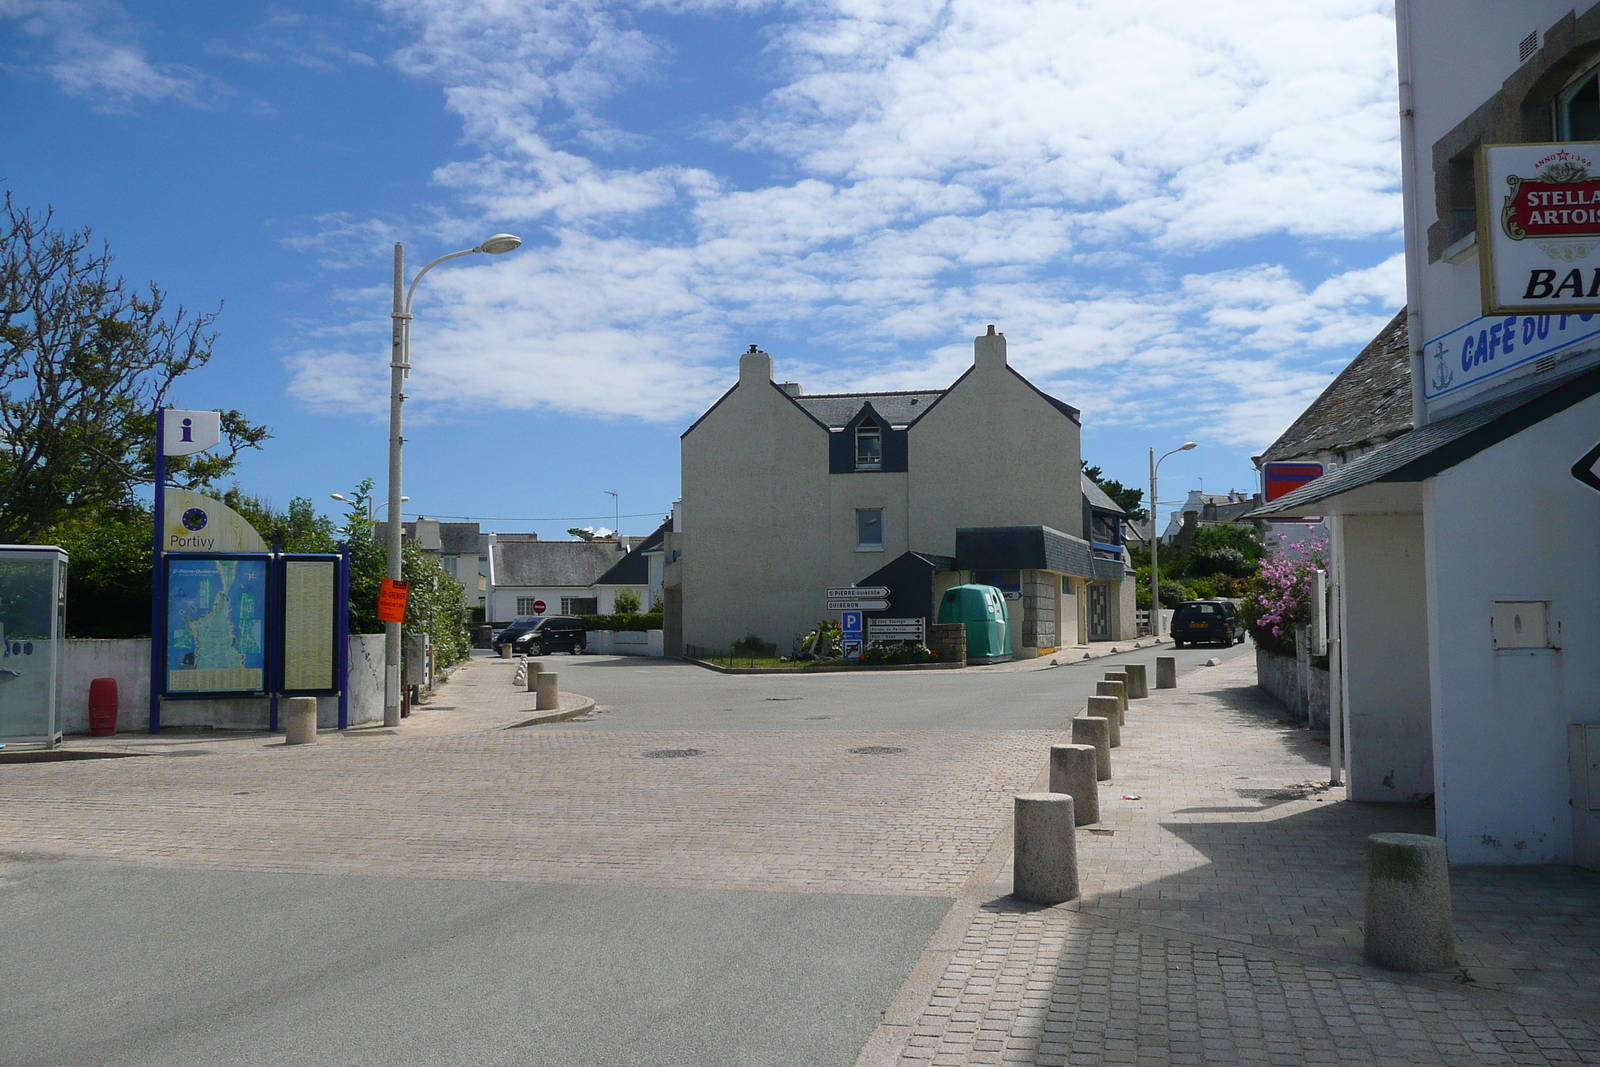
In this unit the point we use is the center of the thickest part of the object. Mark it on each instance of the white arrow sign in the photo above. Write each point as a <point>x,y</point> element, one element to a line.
<point>871,592</point>
<point>857,605</point>
<point>1585,470</point>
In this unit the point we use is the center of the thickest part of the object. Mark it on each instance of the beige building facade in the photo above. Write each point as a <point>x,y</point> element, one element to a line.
<point>786,495</point>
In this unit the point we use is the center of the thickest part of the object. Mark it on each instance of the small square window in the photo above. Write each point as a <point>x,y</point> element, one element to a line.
<point>869,527</point>
<point>1521,624</point>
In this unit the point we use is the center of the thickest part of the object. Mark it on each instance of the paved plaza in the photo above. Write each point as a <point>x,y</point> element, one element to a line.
<point>743,870</point>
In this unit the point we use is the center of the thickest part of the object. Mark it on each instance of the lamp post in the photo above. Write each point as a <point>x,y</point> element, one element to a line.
<point>399,368</point>
<point>616,522</point>
<point>371,521</point>
<point>1155,540</point>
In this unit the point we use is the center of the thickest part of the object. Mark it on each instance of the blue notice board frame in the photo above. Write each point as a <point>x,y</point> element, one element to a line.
<point>270,625</point>
<point>339,620</point>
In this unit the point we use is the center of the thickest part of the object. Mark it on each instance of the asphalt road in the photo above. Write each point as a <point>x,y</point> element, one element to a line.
<point>117,965</point>
<point>642,694</point>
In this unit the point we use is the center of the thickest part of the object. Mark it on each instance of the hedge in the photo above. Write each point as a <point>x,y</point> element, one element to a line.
<point>638,623</point>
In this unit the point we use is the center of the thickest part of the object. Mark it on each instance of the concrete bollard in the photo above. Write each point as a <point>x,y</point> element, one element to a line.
<point>535,668</point>
<point>1408,923</point>
<point>1114,689</point>
<point>1045,870</point>
<point>1095,731</point>
<point>1106,708</point>
<point>300,721</point>
<point>549,691</point>
<point>505,651</point>
<point>1074,771</point>
<point>1166,672</point>
<point>1138,681</point>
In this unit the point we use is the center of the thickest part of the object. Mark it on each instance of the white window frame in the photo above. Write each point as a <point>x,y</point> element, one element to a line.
<point>869,546</point>
<point>525,605</point>
<point>868,430</point>
<point>1563,127</point>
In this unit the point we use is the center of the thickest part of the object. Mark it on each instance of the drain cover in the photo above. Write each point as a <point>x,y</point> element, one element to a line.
<point>812,718</point>
<point>876,750</point>
<point>673,753</point>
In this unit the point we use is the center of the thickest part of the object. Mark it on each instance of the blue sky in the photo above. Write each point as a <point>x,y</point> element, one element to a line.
<point>1184,217</point>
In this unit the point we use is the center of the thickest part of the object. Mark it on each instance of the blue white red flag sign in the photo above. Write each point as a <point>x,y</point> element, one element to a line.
<point>188,432</point>
<point>1284,478</point>
<point>1584,470</point>
<point>1539,227</point>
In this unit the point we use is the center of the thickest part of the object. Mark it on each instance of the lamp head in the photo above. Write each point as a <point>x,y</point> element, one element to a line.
<point>337,496</point>
<point>1187,445</point>
<point>500,243</point>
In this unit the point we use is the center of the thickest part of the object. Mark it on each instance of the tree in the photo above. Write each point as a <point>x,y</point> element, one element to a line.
<point>1128,499</point>
<point>626,602</point>
<point>86,360</point>
<point>300,529</point>
<point>589,533</point>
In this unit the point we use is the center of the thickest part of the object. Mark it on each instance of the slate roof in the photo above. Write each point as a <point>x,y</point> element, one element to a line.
<point>1097,497</point>
<point>1440,445</point>
<point>1367,404</point>
<point>552,563</point>
<point>634,569</point>
<point>455,538</point>
<point>834,410</point>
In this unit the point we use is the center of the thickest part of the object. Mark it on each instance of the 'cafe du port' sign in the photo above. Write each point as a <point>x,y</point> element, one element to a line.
<point>1539,227</point>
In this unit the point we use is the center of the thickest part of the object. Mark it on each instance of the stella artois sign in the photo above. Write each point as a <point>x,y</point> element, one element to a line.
<point>1539,227</point>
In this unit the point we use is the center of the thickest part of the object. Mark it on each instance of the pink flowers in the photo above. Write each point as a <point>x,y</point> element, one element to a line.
<point>1280,597</point>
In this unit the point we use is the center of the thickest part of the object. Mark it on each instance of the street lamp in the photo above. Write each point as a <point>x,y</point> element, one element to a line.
<point>1155,540</point>
<point>370,520</point>
<point>399,369</point>
<point>616,522</point>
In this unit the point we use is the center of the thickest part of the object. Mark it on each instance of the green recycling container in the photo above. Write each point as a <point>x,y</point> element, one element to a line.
<point>983,609</point>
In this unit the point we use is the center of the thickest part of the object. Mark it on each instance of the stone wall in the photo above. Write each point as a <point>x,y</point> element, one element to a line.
<point>128,661</point>
<point>1300,687</point>
<point>949,640</point>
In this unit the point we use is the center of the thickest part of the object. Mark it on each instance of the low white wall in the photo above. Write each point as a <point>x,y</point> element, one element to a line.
<point>1283,677</point>
<point>128,661</point>
<point>626,642</point>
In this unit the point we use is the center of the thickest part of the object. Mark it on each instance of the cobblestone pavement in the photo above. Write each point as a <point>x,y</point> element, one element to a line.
<point>453,794</point>
<point>1221,923</point>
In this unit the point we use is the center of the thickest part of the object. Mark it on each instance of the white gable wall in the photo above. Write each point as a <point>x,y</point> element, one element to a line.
<point>1500,718</point>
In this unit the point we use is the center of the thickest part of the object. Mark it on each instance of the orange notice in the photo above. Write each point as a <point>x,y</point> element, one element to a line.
<point>392,600</point>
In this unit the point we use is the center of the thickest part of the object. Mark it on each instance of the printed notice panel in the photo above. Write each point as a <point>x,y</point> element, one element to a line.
<point>309,628</point>
<point>216,623</point>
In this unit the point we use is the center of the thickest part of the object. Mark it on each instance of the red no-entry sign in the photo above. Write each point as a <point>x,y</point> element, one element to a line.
<point>538,607</point>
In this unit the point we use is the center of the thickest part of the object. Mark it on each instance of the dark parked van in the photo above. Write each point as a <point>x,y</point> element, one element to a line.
<point>1206,622</point>
<point>551,633</point>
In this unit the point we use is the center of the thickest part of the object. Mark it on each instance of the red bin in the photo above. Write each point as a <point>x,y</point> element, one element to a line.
<point>103,707</point>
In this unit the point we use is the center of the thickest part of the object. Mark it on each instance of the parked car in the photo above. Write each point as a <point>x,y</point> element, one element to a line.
<point>552,633</point>
<point>519,626</point>
<point>1206,622</point>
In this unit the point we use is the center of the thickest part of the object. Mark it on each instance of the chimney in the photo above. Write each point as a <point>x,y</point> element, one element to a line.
<point>989,350</point>
<point>755,367</point>
<point>792,388</point>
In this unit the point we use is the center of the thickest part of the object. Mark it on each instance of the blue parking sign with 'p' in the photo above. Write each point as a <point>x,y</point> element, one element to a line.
<point>850,622</point>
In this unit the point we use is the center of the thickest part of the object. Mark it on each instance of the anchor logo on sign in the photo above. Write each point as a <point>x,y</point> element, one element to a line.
<point>1442,374</point>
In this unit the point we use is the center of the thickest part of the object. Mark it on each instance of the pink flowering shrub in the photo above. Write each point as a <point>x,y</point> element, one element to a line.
<point>1279,598</point>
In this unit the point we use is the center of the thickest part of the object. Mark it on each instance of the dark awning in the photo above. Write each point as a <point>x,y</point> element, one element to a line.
<point>1037,548</point>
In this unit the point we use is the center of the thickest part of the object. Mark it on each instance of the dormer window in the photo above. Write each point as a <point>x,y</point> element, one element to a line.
<point>869,446</point>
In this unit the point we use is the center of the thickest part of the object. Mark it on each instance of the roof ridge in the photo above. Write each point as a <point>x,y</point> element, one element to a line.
<point>886,392</point>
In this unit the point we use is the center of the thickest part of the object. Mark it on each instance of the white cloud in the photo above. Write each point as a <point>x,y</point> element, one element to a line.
<point>1074,172</point>
<point>93,52</point>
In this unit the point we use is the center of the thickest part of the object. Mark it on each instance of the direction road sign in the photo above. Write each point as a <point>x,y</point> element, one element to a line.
<point>857,605</point>
<point>868,592</point>
<point>1584,469</point>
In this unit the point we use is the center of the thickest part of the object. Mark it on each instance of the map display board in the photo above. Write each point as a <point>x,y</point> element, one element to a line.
<point>310,625</point>
<point>216,625</point>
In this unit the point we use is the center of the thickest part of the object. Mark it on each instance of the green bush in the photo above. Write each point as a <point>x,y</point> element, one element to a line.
<point>626,603</point>
<point>632,623</point>
<point>753,646</point>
